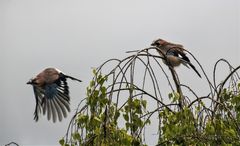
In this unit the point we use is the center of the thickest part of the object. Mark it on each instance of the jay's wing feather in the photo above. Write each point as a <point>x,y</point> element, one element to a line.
<point>182,56</point>
<point>49,109</point>
<point>39,94</point>
<point>176,51</point>
<point>61,108</point>
<point>54,110</point>
<point>56,100</point>
<point>58,109</point>
<point>64,100</point>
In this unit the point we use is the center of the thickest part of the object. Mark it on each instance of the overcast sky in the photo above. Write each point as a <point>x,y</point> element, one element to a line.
<point>76,35</point>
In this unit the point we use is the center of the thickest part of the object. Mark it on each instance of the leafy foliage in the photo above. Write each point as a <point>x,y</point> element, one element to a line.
<point>119,106</point>
<point>97,124</point>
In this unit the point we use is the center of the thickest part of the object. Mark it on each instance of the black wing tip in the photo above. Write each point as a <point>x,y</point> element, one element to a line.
<point>35,118</point>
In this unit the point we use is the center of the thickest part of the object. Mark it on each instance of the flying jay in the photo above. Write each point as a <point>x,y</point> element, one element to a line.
<point>51,93</point>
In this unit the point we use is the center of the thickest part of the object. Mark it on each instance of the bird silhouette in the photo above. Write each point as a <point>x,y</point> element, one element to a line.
<point>174,53</point>
<point>51,93</point>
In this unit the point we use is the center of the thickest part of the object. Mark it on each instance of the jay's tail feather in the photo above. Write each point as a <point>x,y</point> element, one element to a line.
<point>186,62</point>
<point>72,78</point>
<point>193,67</point>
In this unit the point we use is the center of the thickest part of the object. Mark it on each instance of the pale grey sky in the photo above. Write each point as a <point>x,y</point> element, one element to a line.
<point>76,35</point>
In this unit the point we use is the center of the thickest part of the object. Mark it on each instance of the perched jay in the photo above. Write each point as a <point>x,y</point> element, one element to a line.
<point>174,52</point>
<point>51,93</point>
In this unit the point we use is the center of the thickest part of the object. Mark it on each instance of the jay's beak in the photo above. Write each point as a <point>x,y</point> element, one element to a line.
<point>29,82</point>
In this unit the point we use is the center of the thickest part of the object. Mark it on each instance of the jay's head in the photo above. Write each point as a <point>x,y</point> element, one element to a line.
<point>159,43</point>
<point>35,81</point>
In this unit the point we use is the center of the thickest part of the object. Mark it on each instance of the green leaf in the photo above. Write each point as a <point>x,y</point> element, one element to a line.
<point>128,125</point>
<point>61,141</point>
<point>76,136</point>
<point>210,129</point>
<point>126,117</point>
<point>82,118</point>
<point>148,121</point>
<point>95,94</point>
<point>103,89</point>
<point>117,114</point>
<point>176,97</point>
<point>99,79</point>
<point>144,103</point>
<point>92,83</point>
<point>97,119</point>
<point>94,71</point>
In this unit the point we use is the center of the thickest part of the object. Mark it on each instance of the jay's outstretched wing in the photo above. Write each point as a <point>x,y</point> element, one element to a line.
<point>51,93</point>
<point>53,100</point>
